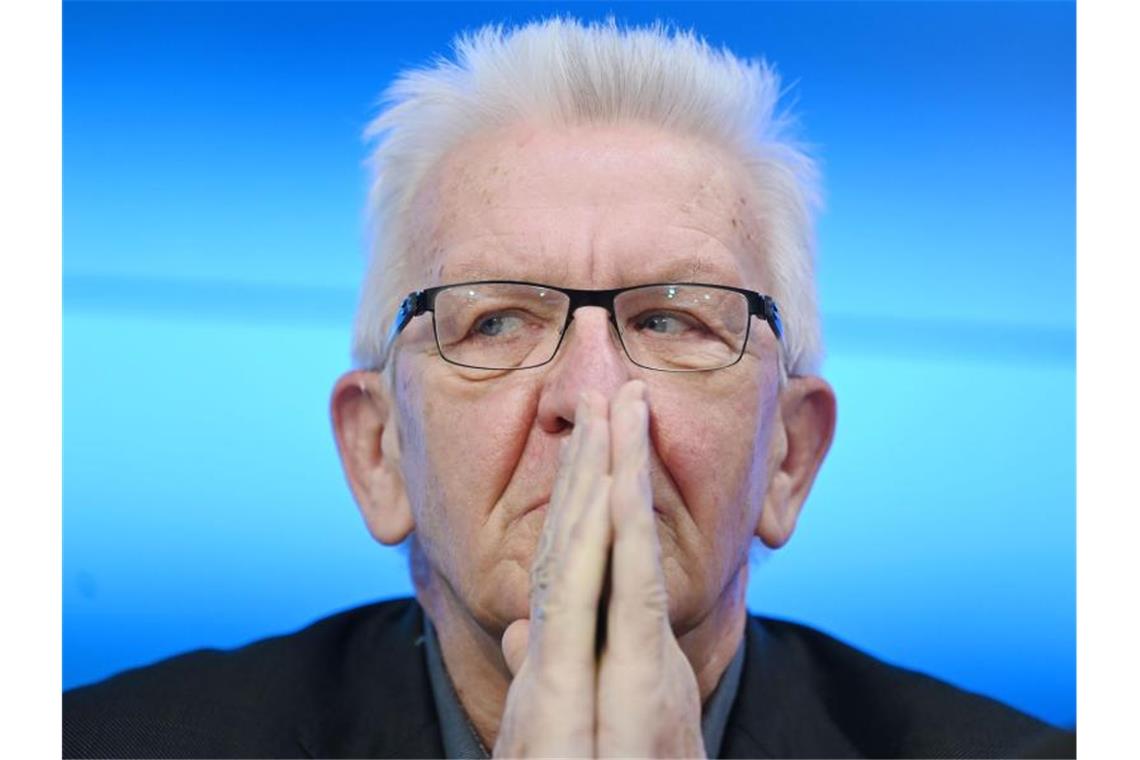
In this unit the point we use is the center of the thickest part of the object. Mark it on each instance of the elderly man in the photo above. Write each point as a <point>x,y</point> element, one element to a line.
<point>588,346</point>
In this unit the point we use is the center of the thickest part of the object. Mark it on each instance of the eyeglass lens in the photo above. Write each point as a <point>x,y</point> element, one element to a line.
<point>514,326</point>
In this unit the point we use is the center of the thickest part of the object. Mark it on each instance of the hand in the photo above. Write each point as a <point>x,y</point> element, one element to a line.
<point>640,697</point>
<point>551,702</point>
<point>648,700</point>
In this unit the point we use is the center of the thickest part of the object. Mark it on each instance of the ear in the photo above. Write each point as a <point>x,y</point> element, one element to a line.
<point>799,444</point>
<point>369,446</point>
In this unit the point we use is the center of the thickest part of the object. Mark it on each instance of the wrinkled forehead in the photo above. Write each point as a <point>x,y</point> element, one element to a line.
<point>597,206</point>
<point>489,264</point>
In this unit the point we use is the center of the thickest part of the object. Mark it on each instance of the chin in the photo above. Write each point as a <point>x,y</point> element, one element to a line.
<point>501,601</point>
<point>689,605</point>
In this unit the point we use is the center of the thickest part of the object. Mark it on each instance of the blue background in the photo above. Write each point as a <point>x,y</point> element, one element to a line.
<point>213,195</point>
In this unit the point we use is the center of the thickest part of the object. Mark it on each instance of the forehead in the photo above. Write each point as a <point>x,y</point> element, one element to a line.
<point>589,206</point>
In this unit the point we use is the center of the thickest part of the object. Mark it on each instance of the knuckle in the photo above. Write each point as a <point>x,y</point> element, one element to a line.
<point>541,576</point>
<point>631,487</point>
<point>647,600</point>
<point>580,532</point>
<point>552,603</point>
<point>559,683</point>
<point>655,599</point>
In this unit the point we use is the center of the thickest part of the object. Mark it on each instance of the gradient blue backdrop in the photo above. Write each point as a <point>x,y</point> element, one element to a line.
<point>213,192</point>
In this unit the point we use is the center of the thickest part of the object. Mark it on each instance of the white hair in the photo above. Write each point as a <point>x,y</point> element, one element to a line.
<point>563,72</point>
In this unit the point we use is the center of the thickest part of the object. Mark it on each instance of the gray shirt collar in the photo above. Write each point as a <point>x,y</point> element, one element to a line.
<point>461,741</point>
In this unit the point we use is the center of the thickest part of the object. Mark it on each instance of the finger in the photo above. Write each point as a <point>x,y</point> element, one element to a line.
<point>626,423</point>
<point>566,451</point>
<point>570,471</point>
<point>568,454</point>
<point>570,602</point>
<point>542,565</point>
<point>586,463</point>
<point>638,613</point>
<point>630,453</point>
<point>515,641</point>
<point>546,560</point>
<point>582,533</point>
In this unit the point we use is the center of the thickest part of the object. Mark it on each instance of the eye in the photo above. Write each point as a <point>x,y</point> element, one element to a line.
<point>496,325</point>
<point>666,323</point>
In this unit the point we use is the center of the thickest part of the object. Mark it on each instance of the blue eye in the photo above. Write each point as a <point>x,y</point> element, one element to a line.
<point>495,325</point>
<point>663,323</point>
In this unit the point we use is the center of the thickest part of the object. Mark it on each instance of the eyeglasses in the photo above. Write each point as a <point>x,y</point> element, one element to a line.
<point>507,324</point>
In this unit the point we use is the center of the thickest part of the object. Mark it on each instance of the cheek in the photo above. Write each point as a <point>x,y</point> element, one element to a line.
<point>465,447</point>
<point>712,442</point>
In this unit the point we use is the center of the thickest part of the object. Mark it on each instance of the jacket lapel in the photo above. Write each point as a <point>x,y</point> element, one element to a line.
<point>778,710</point>
<point>382,705</point>
<point>380,702</point>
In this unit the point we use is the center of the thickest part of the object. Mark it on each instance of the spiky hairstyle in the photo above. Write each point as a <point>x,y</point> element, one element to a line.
<point>563,72</point>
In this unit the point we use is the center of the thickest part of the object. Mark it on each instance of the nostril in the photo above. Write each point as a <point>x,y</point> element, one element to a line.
<point>562,425</point>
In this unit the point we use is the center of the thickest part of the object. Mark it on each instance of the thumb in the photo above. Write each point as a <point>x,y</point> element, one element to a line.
<point>515,641</point>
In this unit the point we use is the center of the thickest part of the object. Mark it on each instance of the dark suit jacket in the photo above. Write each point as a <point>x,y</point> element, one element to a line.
<point>356,685</point>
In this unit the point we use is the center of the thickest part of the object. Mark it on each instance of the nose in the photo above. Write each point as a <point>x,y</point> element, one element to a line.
<point>590,358</point>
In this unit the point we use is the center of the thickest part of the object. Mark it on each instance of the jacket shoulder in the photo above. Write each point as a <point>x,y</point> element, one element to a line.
<point>249,702</point>
<point>883,710</point>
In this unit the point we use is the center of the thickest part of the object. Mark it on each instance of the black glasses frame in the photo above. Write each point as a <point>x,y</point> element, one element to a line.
<point>421,301</point>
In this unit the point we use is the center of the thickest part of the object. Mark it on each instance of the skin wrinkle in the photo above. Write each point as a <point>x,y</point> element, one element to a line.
<point>432,485</point>
<point>712,237</point>
<point>670,537</point>
<point>745,231</point>
<point>476,538</point>
<point>682,270</point>
<point>500,235</point>
<point>494,510</point>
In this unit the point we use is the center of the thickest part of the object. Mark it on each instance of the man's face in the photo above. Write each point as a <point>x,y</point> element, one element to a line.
<point>583,207</point>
